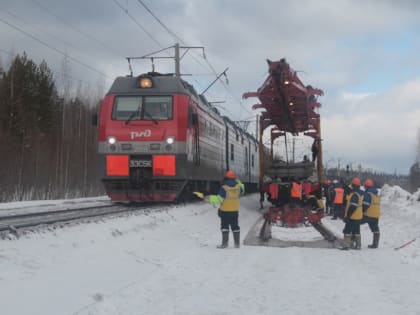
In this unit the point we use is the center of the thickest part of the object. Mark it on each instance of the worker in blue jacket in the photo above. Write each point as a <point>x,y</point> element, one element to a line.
<point>372,210</point>
<point>228,198</point>
<point>353,215</point>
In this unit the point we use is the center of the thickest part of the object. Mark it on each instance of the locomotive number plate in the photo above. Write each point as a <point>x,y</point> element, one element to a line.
<point>140,163</point>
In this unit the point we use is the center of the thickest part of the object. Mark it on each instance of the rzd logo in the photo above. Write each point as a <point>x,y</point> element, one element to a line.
<point>141,134</point>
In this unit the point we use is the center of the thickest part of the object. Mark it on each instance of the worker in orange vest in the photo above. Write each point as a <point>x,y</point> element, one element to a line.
<point>296,192</point>
<point>337,197</point>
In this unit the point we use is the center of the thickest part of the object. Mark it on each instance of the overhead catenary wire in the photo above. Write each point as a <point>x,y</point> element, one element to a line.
<point>32,26</point>
<point>55,49</point>
<point>7,52</point>
<point>78,30</point>
<point>175,36</point>
<point>37,28</point>
<point>41,31</point>
<point>138,24</point>
<point>183,42</point>
<point>206,59</point>
<point>151,36</point>
<point>160,22</point>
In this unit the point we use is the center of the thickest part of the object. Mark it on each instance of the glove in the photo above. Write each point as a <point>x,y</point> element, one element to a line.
<point>199,194</point>
<point>214,200</point>
<point>346,220</point>
<point>241,185</point>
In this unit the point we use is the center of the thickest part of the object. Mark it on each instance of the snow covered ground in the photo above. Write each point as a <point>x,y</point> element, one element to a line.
<point>167,263</point>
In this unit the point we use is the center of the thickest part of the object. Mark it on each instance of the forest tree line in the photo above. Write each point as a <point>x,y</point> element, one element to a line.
<point>48,144</point>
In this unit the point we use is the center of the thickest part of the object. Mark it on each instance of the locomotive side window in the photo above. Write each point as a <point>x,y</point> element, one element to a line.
<point>142,108</point>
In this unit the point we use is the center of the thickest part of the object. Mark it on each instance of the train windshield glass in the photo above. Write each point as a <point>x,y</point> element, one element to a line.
<point>142,108</point>
<point>158,107</point>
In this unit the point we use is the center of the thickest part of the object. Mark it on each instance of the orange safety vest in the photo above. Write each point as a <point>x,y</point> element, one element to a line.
<point>339,195</point>
<point>296,191</point>
<point>273,189</point>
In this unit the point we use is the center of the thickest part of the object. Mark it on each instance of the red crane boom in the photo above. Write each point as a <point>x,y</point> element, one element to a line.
<point>288,103</point>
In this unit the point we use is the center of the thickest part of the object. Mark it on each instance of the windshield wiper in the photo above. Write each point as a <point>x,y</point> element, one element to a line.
<point>132,115</point>
<point>146,113</point>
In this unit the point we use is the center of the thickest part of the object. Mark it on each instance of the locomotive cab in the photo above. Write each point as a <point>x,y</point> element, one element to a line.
<point>142,124</point>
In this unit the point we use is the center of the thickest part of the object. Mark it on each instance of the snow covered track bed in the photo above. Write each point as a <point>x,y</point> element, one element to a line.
<point>29,218</point>
<point>167,263</point>
<point>304,236</point>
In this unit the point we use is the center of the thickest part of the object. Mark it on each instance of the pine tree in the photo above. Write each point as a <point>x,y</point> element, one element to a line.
<point>28,98</point>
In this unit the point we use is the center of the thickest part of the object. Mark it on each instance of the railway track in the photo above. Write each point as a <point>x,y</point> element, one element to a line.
<point>18,223</point>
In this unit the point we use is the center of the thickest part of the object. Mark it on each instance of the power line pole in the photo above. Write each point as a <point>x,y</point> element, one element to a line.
<point>177,57</point>
<point>177,61</point>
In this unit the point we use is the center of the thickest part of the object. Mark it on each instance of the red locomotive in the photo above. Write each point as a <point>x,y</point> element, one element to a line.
<point>159,141</point>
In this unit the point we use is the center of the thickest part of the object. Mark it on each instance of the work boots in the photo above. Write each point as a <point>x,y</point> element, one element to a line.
<point>346,242</point>
<point>358,241</point>
<point>375,242</point>
<point>353,241</point>
<point>236,238</point>
<point>225,239</point>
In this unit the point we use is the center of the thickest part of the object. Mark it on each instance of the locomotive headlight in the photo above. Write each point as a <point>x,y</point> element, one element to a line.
<point>145,83</point>
<point>112,140</point>
<point>170,140</point>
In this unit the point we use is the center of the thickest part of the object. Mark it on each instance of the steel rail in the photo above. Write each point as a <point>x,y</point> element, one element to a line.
<point>14,223</point>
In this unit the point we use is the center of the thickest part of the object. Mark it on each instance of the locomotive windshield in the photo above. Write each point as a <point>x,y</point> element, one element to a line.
<point>142,108</point>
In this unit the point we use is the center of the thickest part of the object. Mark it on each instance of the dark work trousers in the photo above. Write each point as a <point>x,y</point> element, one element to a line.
<point>373,223</point>
<point>352,227</point>
<point>338,210</point>
<point>229,218</point>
